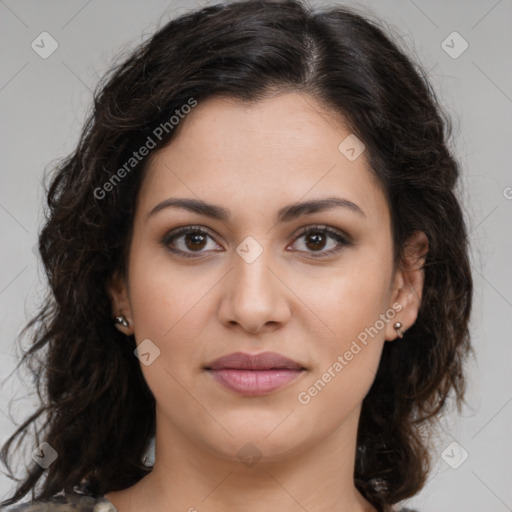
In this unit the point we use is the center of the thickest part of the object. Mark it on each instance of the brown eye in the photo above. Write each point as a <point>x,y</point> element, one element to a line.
<point>317,238</point>
<point>315,241</point>
<point>188,240</point>
<point>195,241</point>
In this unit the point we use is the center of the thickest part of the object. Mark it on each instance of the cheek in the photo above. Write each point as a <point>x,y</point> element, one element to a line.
<point>353,307</point>
<point>167,310</point>
<point>349,299</point>
<point>345,360</point>
<point>170,307</point>
<point>164,294</point>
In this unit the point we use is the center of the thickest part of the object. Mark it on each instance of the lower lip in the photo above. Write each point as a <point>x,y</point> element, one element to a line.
<point>254,382</point>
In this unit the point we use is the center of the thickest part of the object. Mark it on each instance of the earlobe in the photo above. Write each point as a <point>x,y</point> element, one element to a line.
<point>117,290</point>
<point>409,283</point>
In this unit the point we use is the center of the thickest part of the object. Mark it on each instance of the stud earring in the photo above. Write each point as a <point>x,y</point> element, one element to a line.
<point>398,329</point>
<point>121,320</point>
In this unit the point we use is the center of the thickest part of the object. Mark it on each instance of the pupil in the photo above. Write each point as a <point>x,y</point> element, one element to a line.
<point>317,241</point>
<point>197,240</point>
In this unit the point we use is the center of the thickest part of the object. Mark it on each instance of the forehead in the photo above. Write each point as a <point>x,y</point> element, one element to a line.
<point>260,155</point>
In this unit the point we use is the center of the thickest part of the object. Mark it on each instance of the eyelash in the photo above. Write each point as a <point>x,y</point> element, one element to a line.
<point>336,235</point>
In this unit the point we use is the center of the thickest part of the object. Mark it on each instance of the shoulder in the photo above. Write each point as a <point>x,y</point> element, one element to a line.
<point>64,503</point>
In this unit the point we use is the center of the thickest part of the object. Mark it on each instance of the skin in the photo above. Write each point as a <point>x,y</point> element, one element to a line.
<point>254,160</point>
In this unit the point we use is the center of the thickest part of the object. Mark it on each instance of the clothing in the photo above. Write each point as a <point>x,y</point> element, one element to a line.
<point>69,503</point>
<point>78,503</point>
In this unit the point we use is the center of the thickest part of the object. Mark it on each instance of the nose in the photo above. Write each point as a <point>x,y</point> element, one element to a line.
<point>254,295</point>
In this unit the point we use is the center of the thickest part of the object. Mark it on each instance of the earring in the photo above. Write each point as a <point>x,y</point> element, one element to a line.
<point>398,329</point>
<point>121,320</point>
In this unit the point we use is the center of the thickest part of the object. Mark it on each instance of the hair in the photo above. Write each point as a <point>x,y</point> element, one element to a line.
<point>96,409</point>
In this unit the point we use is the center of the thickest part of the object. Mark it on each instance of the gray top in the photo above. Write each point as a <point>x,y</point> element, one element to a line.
<point>69,503</point>
<point>78,503</point>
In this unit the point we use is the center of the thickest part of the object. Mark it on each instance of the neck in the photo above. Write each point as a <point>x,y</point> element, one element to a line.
<point>190,477</point>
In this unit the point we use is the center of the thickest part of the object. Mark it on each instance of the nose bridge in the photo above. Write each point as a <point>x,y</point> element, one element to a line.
<point>255,296</point>
<point>251,268</point>
<point>252,278</point>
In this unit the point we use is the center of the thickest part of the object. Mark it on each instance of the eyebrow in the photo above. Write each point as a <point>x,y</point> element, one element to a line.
<point>285,214</point>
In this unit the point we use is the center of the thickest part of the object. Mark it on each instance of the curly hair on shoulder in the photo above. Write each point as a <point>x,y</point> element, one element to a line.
<point>96,409</point>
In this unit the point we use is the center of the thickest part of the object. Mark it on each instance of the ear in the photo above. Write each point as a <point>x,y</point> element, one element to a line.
<point>117,289</point>
<point>408,284</point>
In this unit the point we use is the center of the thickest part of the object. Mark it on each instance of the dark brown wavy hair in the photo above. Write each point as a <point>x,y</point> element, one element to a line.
<point>96,409</point>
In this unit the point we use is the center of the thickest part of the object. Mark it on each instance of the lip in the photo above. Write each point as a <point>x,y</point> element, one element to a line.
<point>261,361</point>
<point>254,374</point>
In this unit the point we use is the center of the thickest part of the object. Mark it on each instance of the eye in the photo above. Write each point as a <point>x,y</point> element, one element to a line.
<point>319,238</point>
<point>192,241</point>
<point>188,240</point>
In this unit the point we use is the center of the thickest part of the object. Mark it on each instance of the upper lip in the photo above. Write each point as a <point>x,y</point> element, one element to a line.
<point>262,361</point>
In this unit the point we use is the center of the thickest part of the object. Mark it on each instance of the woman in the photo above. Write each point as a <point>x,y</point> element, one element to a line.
<point>257,260</point>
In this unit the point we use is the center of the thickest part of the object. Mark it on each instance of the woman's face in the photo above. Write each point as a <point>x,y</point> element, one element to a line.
<point>251,281</point>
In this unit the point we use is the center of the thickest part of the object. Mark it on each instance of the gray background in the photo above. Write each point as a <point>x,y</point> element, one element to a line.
<point>43,103</point>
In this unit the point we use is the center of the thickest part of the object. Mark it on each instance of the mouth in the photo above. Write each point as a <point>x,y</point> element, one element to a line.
<point>253,375</point>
